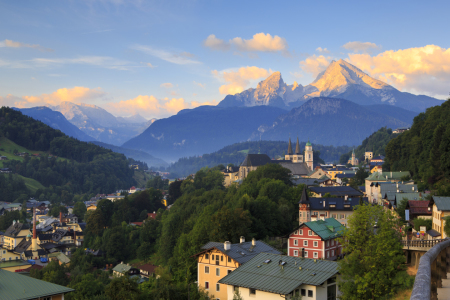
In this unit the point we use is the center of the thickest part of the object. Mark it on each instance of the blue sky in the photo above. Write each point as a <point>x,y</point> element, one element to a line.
<point>157,57</point>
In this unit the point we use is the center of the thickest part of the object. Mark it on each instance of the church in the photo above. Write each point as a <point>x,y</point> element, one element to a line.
<point>298,164</point>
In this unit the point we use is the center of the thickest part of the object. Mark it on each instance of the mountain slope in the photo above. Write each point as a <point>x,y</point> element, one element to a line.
<point>201,130</point>
<point>394,112</point>
<point>341,80</point>
<point>328,121</point>
<point>55,120</point>
<point>100,124</point>
<point>135,154</point>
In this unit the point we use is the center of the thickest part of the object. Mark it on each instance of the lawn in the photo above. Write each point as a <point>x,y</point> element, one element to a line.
<point>31,184</point>
<point>244,151</point>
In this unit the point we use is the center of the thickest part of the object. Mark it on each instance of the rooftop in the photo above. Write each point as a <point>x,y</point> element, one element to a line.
<point>14,286</point>
<point>274,278</point>
<point>327,229</point>
<point>242,252</point>
<point>442,203</point>
<point>339,191</point>
<point>385,176</point>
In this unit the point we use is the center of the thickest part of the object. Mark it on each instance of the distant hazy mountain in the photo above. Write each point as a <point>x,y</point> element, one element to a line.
<point>100,124</point>
<point>330,121</point>
<point>56,120</point>
<point>394,112</point>
<point>340,80</point>
<point>201,130</point>
<point>135,154</point>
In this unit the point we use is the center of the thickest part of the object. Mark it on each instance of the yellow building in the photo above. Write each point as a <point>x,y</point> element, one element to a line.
<point>378,169</point>
<point>368,155</point>
<point>334,171</point>
<point>440,208</point>
<point>230,175</point>
<point>219,259</point>
<point>92,207</point>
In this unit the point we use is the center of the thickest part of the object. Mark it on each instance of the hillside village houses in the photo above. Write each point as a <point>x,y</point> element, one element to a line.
<point>271,276</point>
<point>439,208</point>
<point>220,259</point>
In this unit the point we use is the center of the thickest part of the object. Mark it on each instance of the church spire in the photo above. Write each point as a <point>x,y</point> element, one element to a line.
<point>289,152</point>
<point>297,148</point>
<point>304,199</point>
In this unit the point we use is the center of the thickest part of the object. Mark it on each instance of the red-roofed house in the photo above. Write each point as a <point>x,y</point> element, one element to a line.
<point>418,208</point>
<point>136,223</point>
<point>146,270</point>
<point>132,190</point>
<point>151,215</point>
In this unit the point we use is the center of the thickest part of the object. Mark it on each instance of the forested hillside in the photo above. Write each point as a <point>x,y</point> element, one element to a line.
<point>235,154</point>
<point>263,206</point>
<point>65,166</point>
<point>424,150</point>
<point>375,143</point>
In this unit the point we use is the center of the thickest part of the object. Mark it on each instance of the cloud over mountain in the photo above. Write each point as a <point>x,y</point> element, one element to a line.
<point>237,80</point>
<point>365,47</point>
<point>15,44</point>
<point>260,42</point>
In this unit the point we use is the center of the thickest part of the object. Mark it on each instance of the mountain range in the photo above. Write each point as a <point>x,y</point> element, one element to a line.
<point>100,124</point>
<point>340,80</point>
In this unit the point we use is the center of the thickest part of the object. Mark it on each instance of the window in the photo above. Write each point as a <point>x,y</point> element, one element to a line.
<point>221,258</point>
<point>332,252</point>
<point>326,254</point>
<point>316,243</point>
<point>295,242</point>
<point>310,232</point>
<point>229,271</point>
<point>212,256</point>
<point>303,292</point>
<point>206,270</point>
<point>206,285</point>
<point>252,292</point>
<point>334,215</point>
<point>342,216</point>
<point>306,253</point>
<point>310,293</point>
<point>295,252</point>
<point>305,243</point>
<point>218,287</point>
<point>327,243</point>
<point>316,255</point>
<point>296,232</point>
<point>229,259</point>
<point>300,232</point>
<point>332,242</point>
<point>217,272</point>
<point>217,257</point>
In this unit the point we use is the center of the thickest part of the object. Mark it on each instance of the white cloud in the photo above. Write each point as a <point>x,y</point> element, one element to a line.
<point>364,47</point>
<point>14,44</point>
<point>183,58</point>
<point>202,85</point>
<point>315,64</point>
<point>419,70</point>
<point>322,50</point>
<point>237,80</point>
<point>260,42</point>
<point>166,85</point>
<point>150,106</point>
<point>76,94</point>
<point>99,61</point>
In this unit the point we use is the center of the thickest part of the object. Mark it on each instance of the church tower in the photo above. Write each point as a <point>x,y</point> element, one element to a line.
<point>289,154</point>
<point>304,208</point>
<point>296,157</point>
<point>309,155</point>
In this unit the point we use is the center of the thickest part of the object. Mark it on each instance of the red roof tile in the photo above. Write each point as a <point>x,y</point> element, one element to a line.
<point>418,207</point>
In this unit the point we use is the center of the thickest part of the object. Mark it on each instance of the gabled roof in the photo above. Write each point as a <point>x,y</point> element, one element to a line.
<point>242,252</point>
<point>274,278</point>
<point>345,175</point>
<point>327,229</point>
<point>122,268</point>
<point>409,196</point>
<point>15,229</point>
<point>385,176</point>
<point>147,267</point>
<point>418,207</point>
<point>442,203</point>
<point>255,160</point>
<point>339,203</point>
<point>289,147</point>
<point>295,168</point>
<point>339,191</point>
<point>308,181</point>
<point>14,286</point>
<point>379,157</point>
<point>22,246</point>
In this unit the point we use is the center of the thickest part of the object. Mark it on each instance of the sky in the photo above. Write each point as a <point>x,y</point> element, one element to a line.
<point>158,57</point>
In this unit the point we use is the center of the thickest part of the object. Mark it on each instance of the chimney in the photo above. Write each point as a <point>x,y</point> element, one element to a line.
<point>253,242</point>
<point>227,245</point>
<point>413,188</point>
<point>346,197</point>
<point>391,174</point>
<point>242,240</point>
<point>323,203</point>
<point>34,240</point>
<point>60,217</point>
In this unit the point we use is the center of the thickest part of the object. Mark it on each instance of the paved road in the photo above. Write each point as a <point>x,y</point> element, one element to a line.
<point>444,292</point>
